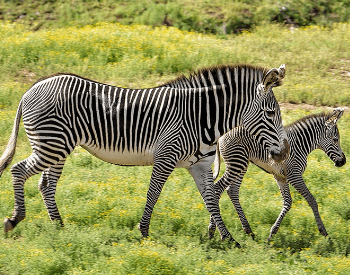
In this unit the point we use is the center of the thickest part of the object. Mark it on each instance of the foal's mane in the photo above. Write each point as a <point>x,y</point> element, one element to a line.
<point>323,115</point>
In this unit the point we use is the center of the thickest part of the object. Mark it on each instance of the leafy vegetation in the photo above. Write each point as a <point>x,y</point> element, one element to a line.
<point>216,16</point>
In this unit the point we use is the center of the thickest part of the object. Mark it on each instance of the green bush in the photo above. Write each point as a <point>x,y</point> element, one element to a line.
<point>217,16</point>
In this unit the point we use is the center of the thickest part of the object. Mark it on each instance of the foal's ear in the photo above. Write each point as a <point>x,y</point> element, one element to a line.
<point>336,114</point>
<point>272,78</point>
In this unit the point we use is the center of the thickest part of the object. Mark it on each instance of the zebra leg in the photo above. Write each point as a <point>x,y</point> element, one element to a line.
<point>21,171</point>
<point>298,183</point>
<point>236,160</point>
<point>233,193</point>
<point>47,187</point>
<point>287,204</point>
<point>203,176</point>
<point>233,181</point>
<point>219,188</point>
<point>160,173</point>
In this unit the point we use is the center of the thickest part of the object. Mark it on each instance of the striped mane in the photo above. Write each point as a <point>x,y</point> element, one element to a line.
<point>213,70</point>
<point>320,116</point>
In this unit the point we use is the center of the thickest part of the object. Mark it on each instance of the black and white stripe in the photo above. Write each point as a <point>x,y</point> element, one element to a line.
<point>238,148</point>
<point>248,79</point>
<point>164,127</point>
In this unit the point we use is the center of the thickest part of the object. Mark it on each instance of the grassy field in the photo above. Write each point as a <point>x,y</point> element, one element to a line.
<point>101,204</point>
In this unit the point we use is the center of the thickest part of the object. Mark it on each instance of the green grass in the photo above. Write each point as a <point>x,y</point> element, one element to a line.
<point>101,205</point>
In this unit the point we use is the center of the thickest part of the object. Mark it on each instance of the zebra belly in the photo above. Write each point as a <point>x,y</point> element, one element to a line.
<point>269,167</point>
<point>122,158</point>
<point>205,154</point>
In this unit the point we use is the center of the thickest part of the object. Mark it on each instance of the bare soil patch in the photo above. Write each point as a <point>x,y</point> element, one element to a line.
<point>290,106</point>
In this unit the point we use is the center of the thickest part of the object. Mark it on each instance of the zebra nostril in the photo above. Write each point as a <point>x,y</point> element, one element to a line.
<point>340,162</point>
<point>275,154</point>
<point>278,154</point>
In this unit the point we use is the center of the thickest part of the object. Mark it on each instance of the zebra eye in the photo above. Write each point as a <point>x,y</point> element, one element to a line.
<point>270,113</point>
<point>335,140</point>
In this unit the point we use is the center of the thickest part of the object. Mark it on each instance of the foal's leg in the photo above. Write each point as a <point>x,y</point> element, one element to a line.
<point>233,182</point>
<point>203,176</point>
<point>233,193</point>
<point>298,183</point>
<point>21,171</point>
<point>236,160</point>
<point>287,204</point>
<point>47,187</point>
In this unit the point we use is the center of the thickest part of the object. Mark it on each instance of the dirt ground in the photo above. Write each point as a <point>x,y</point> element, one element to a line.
<point>289,106</point>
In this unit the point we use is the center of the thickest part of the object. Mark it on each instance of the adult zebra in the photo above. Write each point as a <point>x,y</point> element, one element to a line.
<point>163,127</point>
<point>238,148</point>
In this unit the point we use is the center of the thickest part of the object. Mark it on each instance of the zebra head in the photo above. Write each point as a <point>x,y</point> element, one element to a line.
<point>330,139</point>
<point>264,120</point>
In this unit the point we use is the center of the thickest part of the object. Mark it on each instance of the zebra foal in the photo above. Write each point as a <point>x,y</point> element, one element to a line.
<point>164,127</point>
<point>238,148</point>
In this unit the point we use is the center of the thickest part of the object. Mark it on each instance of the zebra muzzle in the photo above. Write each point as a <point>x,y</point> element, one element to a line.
<point>340,161</point>
<point>279,154</point>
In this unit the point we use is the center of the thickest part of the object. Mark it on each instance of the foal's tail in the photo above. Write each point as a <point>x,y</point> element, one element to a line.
<point>9,152</point>
<point>217,162</point>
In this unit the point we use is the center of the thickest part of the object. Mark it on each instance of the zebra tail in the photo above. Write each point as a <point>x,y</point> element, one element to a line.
<point>217,162</point>
<point>9,152</point>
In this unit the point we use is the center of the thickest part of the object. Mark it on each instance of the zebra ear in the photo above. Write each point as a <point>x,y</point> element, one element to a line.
<point>337,114</point>
<point>272,78</point>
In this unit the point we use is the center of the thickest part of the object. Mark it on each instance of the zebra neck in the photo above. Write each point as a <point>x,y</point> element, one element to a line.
<point>220,111</point>
<point>305,136</point>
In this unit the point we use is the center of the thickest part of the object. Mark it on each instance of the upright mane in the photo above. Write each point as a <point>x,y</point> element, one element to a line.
<point>213,71</point>
<point>322,115</point>
<point>231,67</point>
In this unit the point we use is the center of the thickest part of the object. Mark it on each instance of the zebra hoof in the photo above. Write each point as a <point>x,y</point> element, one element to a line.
<point>144,233</point>
<point>252,235</point>
<point>58,223</point>
<point>211,233</point>
<point>249,232</point>
<point>269,238</point>
<point>231,240</point>
<point>8,225</point>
